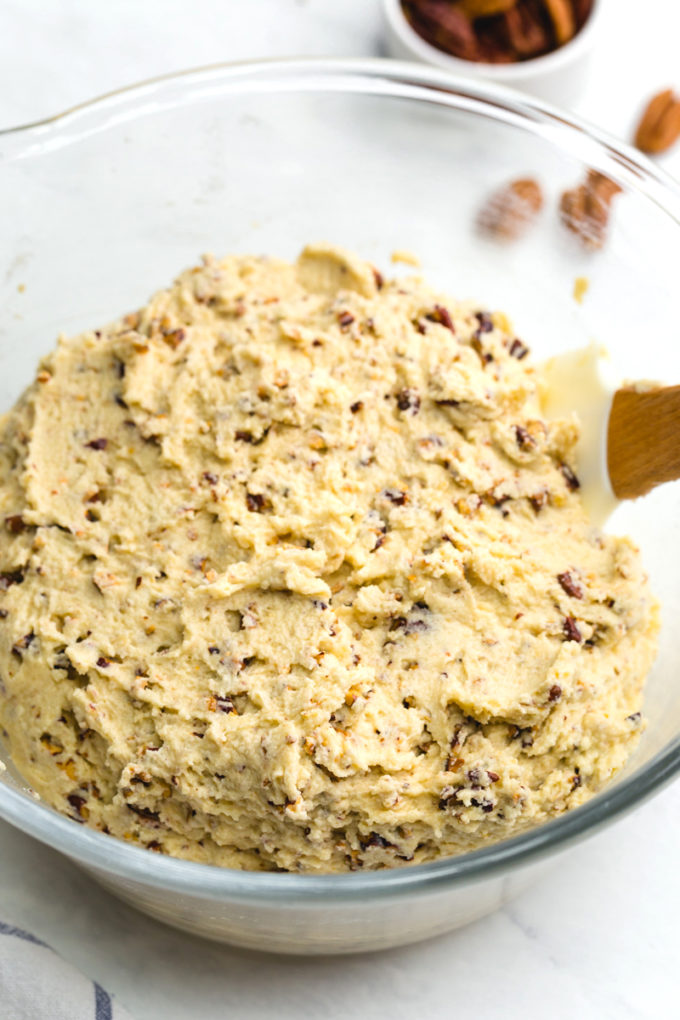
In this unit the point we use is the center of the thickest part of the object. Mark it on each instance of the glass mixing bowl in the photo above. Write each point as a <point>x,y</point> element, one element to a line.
<point>103,204</point>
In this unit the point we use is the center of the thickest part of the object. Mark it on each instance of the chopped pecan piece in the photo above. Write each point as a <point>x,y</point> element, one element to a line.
<point>79,804</point>
<point>485,323</point>
<point>174,338</point>
<point>518,349</point>
<point>255,502</point>
<point>486,357</point>
<point>50,744</point>
<point>15,524</point>
<point>225,704</point>
<point>142,812</point>
<point>571,631</point>
<point>441,315</point>
<point>523,438</point>
<point>570,478</point>
<point>375,840</point>
<point>539,500</point>
<point>408,400</point>
<point>23,642</point>
<point>396,496</point>
<point>569,585</point>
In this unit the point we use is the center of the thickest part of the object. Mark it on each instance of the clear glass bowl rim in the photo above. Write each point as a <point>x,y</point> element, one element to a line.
<point>374,77</point>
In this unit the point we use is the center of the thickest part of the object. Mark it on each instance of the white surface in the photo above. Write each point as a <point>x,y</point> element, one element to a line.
<point>597,939</point>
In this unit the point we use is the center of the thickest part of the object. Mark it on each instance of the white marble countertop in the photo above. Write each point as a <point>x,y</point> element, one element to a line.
<point>597,939</point>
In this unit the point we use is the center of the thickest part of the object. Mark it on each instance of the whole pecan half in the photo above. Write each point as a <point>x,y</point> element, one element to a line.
<point>493,41</point>
<point>659,127</point>
<point>444,26</point>
<point>582,9</point>
<point>485,8</point>
<point>585,210</point>
<point>510,210</point>
<point>528,29</point>
<point>562,16</point>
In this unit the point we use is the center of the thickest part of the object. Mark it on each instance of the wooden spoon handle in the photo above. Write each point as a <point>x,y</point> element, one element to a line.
<point>643,440</point>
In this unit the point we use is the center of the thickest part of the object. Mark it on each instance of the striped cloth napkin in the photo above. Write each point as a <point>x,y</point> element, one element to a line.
<point>36,984</point>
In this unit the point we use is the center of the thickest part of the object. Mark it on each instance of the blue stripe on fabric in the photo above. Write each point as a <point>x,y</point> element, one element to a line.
<point>19,933</point>
<point>102,1003</point>
<point>102,1000</point>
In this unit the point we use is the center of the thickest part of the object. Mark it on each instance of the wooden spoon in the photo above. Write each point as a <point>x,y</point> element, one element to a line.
<point>643,439</point>
<point>630,435</point>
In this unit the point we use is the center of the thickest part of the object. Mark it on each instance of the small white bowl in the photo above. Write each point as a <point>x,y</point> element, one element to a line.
<point>558,77</point>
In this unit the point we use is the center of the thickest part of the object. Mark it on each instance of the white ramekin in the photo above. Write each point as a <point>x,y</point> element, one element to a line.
<point>558,77</point>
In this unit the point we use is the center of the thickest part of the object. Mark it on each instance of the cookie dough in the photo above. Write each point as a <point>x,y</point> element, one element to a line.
<point>295,575</point>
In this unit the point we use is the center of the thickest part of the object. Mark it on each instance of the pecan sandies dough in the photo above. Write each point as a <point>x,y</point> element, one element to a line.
<point>295,576</point>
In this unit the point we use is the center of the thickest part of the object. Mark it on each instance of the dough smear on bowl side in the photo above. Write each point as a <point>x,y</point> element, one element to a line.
<point>294,575</point>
